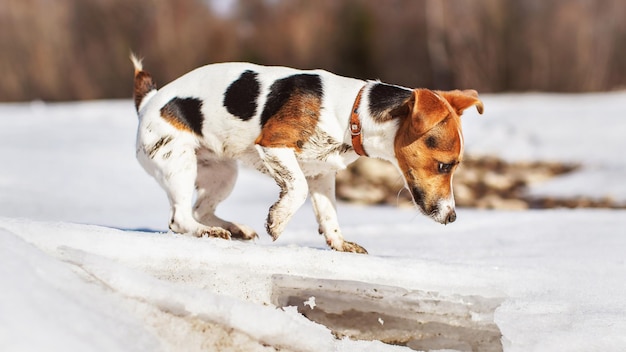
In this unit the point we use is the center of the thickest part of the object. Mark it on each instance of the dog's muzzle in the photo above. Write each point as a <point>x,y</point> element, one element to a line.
<point>442,212</point>
<point>451,217</point>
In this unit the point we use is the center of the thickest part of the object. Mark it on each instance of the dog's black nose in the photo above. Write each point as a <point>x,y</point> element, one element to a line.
<point>451,217</point>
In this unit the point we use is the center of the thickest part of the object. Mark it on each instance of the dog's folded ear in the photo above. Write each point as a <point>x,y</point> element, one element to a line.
<point>462,99</point>
<point>427,109</point>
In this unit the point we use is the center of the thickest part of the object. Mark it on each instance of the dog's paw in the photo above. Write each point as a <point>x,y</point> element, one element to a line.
<point>215,231</point>
<point>274,229</point>
<point>242,232</point>
<point>353,247</point>
<point>349,247</point>
<point>273,233</point>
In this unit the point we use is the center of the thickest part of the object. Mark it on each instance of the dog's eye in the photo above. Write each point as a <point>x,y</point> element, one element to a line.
<point>444,168</point>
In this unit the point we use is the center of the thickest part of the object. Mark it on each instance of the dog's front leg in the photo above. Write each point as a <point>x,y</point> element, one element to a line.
<point>282,165</point>
<point>322,188</point>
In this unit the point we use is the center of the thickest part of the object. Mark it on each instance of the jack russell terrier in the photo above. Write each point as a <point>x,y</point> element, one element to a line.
<point>298,127</point>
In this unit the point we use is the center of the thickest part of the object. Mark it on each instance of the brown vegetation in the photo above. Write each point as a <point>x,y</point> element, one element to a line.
<point>77,49</point>
<point>486,183</point>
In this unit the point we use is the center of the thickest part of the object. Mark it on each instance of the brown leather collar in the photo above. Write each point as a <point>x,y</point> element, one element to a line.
<point>355,126</point>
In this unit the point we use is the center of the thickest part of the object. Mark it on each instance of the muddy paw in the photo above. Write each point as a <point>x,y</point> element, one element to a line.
<point>272,230</point>
<point>350,247</point>
<point>217,232</point>
<point>242,232</point>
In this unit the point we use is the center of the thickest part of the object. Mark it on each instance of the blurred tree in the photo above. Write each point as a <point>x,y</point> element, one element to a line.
<point>437,48</point>
<point>354,45</point>
<point>78,49</point>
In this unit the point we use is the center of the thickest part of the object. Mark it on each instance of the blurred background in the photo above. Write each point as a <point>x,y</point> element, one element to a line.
<point>56,50</point>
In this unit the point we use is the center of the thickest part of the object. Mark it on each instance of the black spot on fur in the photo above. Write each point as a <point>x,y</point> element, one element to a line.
<point>431,142</point>
<point>387,101</point>
<point>241,96</point>
<point>186,111</point>
<point>284,89</point>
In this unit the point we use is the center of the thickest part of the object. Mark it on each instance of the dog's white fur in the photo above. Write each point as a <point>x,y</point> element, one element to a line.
<point>185,163</point>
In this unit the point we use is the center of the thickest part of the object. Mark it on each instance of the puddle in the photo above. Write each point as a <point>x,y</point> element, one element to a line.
<point>420,320</point>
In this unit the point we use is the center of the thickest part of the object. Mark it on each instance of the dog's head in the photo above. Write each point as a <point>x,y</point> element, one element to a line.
<point>429,146</point>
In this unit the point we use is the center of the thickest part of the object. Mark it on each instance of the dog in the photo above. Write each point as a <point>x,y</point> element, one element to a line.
<point>299,127</point>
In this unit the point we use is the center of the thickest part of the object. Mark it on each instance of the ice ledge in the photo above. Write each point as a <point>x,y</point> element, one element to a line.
<point>417,319</point>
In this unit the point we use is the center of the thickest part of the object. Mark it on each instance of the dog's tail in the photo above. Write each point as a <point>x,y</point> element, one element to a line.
<point>143,82</point>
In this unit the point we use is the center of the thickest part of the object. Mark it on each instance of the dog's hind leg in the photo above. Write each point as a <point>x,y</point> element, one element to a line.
<point>214,182</point>
<point>282,165</point>
<point>172,162</point>
<point>322,189</point>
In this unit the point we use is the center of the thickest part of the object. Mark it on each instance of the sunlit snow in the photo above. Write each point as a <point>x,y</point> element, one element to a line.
<point>86,262</point>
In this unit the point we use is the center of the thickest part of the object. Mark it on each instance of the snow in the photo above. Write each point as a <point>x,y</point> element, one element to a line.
<point>86,262</point>
<point>310,302</point>
<point>587,129</point>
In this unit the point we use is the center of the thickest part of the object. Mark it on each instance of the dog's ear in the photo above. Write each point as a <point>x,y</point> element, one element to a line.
<point>462,99</point>
<point>427,109</point>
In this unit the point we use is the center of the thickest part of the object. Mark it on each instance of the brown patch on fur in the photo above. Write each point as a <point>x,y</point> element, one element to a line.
<point>294,123</point>
<point>143,84</point>
<point>427,110</point>
<point>174,120</point>
<point>420,164</point>
<point>461,100</point>
<point>431,116</point>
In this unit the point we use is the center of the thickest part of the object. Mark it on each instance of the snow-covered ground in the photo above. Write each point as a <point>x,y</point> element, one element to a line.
<point>587,128</point>
<point>86,264</point>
